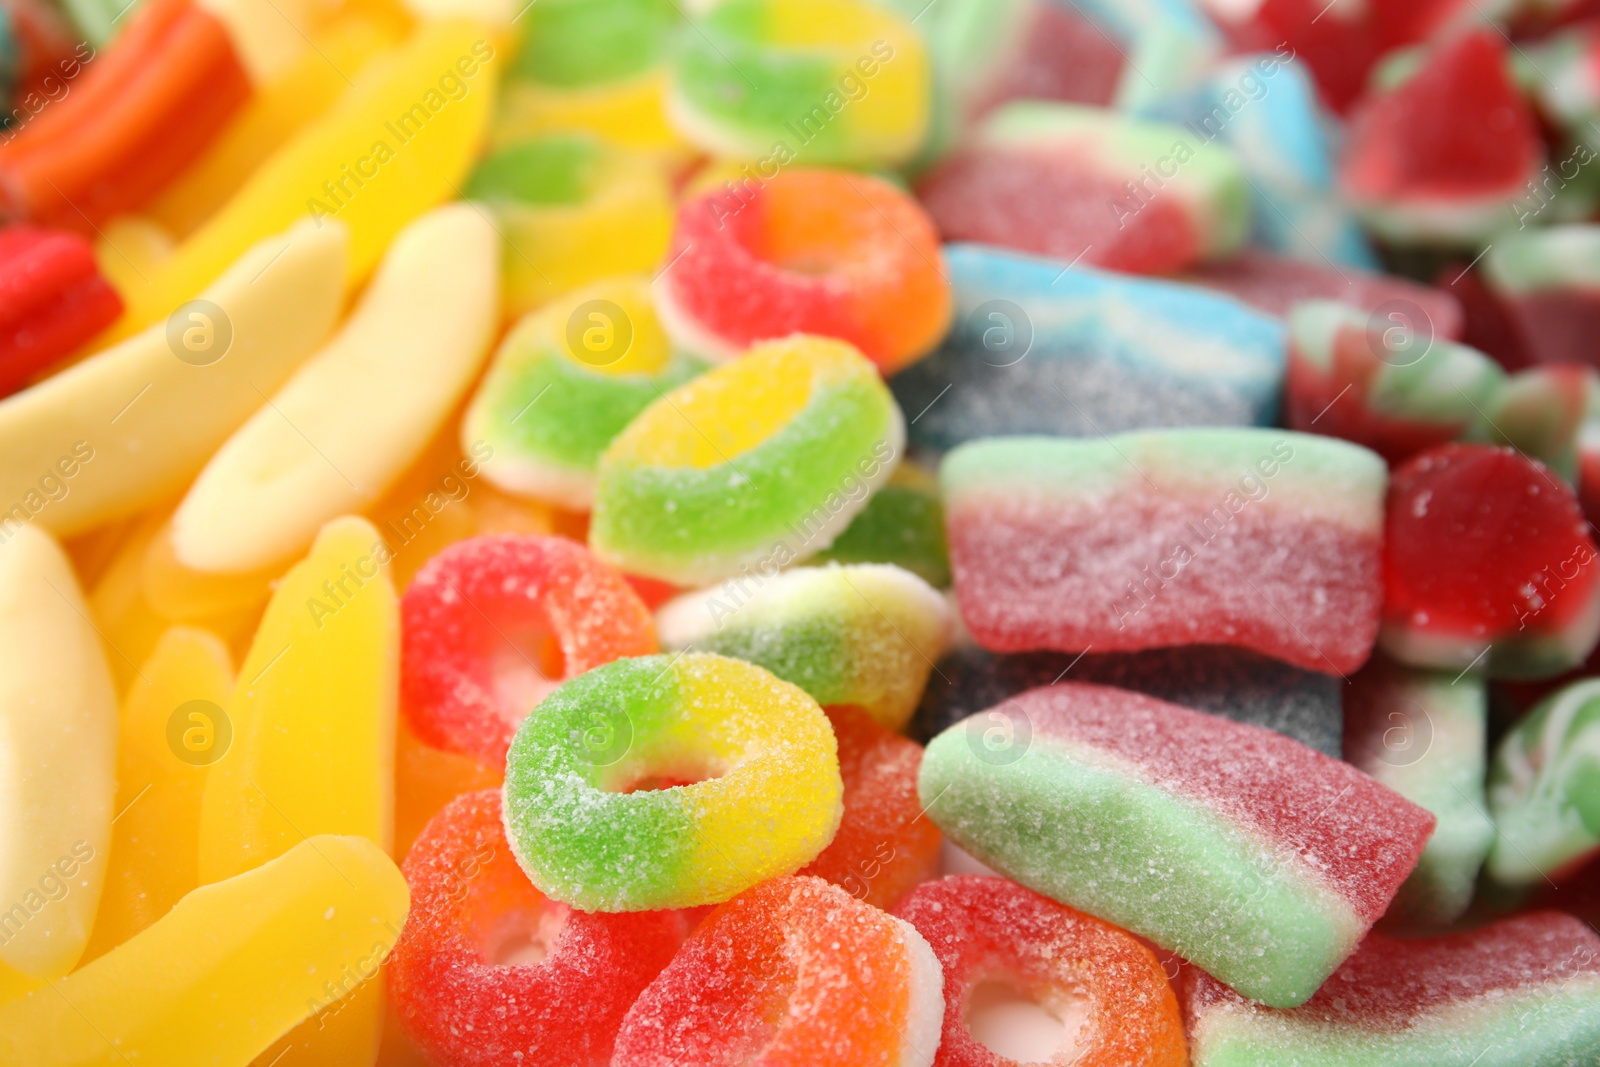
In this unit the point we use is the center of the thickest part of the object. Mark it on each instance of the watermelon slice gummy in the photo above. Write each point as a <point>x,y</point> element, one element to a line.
<point>1441,156</point>
<point>1520,993</point>
<point>1237,848</point>
<point>1263,539</point>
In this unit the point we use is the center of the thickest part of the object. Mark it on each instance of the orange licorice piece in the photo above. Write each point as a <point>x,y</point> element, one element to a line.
<point>134,120</point>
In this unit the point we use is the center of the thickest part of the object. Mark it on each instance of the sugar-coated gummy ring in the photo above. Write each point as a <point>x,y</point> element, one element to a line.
<point>866,634</point>
<point>810,251</point>
<point>827,81</point>
<point>596,66</point>
<point>467,979</point>
<point>487,621</point>
<point>886,845</point>
<point>565,382</point>
<point>791,968</point>
<point>573,209</point>
<point>757,464</point>
<point>993,932</point>
<point>762,799</point>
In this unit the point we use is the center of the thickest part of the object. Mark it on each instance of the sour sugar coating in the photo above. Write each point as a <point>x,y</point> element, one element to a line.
<point>1081,353</point>
<point>573,209</point>
<point>903,524</point>
<point>843,82</point>
<point>1545,412</point>
<point>565,382</point>
<point>670,782</point>
<point>1276,283</point>
<point>1382,382</point>
<point>1264,539</point>
<point>987,52</point>
<point>1544,790</point>
<point>866,634</point>
<point>591,66</point>
<point>1054,179</point>
<point>1441,156</point>
<point>1240,850</point>
<point>1524,992</point>
<point>758,464</point>
<point>492,624</point>
<point>1232,682</point>
<point>1487,565</point>
<point>994,936</point>
<point>806,251</point>
<point>1423,734</point>
<point>791,973</point>
<point>1264,107</point>
<point>490,972</point>
<point>886,844</point>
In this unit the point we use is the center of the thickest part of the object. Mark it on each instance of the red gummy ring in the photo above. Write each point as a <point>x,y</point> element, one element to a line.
<point>990,930</point>
<point>793,972</point>
<point>471,905</point>
<point>810,251</point>
<point>491,625</point>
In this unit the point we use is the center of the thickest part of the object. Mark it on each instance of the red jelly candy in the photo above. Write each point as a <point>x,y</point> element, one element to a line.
<point>1440,156</point>
<point>1487,563</point>
<point>886,845</point>
<point>492,624</point>
<point>490,973</point>
<point>992,936</point>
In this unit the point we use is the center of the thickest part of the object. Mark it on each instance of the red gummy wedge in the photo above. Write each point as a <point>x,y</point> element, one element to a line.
<point>489,973</point>
<point>52,299</point>
<point>1487,564</point>
<point>1438,157</point>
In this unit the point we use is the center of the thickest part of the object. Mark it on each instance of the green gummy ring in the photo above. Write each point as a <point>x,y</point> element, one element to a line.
<point>764,794</point>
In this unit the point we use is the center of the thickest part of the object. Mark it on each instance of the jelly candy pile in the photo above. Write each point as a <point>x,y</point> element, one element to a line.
<point>799,533</point>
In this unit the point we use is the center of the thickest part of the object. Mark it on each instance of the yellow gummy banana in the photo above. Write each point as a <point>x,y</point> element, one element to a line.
<point>409,350</point>
<point>173,726</point>
<point>230,968</point>
<point>58,738</point>
<point>312,712</point>
<point>124,428</point>
<point>397,143</point>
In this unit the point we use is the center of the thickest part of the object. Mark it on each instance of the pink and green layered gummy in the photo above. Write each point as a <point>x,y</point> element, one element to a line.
<point>1239,849</point>
<point>1520,993</point>
<point>1262,539</point>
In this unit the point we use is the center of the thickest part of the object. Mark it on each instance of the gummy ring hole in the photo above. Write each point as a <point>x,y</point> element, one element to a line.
<point>525,665</point>
<point>674,776</point>
<point>1026,1023</point>
<point>509,921</point>
<point>523,936</point>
